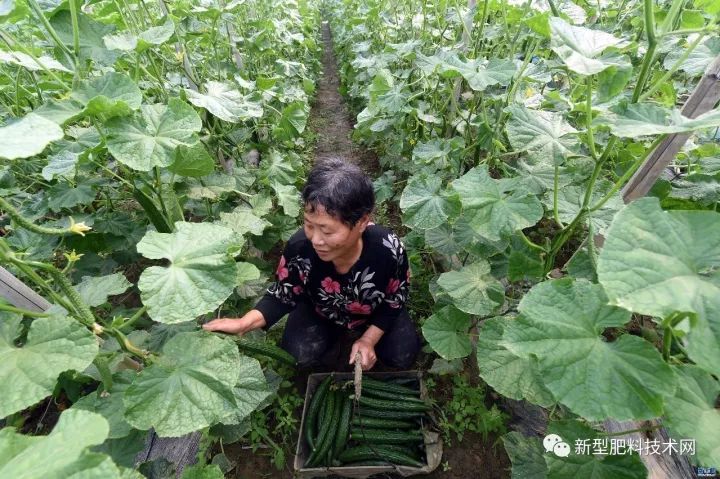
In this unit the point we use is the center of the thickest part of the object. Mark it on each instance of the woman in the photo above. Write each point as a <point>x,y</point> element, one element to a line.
<point>339,274</point>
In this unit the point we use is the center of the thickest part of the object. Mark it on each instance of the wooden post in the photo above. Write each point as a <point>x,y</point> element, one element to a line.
<point>19,294</point>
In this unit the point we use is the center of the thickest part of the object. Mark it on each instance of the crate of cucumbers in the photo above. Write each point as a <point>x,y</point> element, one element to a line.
<point>388,429</point>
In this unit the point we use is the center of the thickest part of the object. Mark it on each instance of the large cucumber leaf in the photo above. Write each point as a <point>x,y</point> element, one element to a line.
<point>251,390</point>
<point>193,161</point>
<point>698,60</point>
<point>480,74</point>
<point>570,200</point>
<point>200,276</point>
<point>545,135</point>
<point>61,454</point>
<point>425,204</point>
<point>151,138</point>
<point>278,166</point>
<point>243,221</point>
<point>60,164</point>
<point>225,102</point>
<point>562,322</point>
<point>199,471</point>
<point>189,387</point>
<point>95,290</point>
<point>582,49</point>
<point>110,405</point>
<point>92,46</point>
<point>211,186</point>
<point>292,122</point>
<point>447,332</point>
<point>643,119</point>
<point>509,374</point>
<point>691,412</point>
<point>492,208</point>
<point>113,94</point>
<point>157,35</point>
<point>28,136</point>
<point>526,456</point>
<point>39,63</point>
<point>29,373</point>
<point>473,289</point>
<point>288,197</point>
<point>659,262</point>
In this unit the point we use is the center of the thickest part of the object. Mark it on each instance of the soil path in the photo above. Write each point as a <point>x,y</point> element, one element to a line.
<point>476,457</point>
<point>330,118</point>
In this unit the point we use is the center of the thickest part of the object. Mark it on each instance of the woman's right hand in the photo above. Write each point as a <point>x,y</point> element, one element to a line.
<point>252,320</point>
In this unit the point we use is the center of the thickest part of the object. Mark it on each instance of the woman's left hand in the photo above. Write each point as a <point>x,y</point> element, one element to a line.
<point>367,353</point>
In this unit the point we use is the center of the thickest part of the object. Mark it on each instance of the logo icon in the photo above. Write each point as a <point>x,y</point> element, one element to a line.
<point>706,471</point>
<point>555,444</point>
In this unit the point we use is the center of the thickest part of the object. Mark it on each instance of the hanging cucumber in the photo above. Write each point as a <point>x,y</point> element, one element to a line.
<point>266,349</point>
<point>156,218</point>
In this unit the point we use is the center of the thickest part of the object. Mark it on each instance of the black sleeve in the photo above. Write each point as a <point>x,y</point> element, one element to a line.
<point>282,295</point>
<point>396,288</point>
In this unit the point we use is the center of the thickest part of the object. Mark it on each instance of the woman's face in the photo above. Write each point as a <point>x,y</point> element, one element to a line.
<point>331,238</point>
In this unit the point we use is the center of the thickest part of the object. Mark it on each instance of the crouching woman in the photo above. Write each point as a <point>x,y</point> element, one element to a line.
<point>340,274</point>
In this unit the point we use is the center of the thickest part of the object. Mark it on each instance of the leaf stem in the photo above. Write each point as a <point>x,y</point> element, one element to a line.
<point>690,31</point>
<point>50,30</point>
<point>159,186</point>
<point>661,81</point>
<point>530,244</point>
<point>667,342</point>
<point>134,318</point>
<point>650,21</point>
<point>553,8</point>
<point>671,16</point>
<point>76,34</point>
<point>24,312</point>
<point>556,187</point>
<point>126,344</point>
<point>113,174</point>
<point>481,26</point>
<point>588,117</point>
<point>650,54</point>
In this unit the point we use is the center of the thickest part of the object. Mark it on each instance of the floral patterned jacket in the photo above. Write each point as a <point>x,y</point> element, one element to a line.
<point>374,291</point>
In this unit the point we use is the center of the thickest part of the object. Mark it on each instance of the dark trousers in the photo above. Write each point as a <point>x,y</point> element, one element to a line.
<point>308,336</point>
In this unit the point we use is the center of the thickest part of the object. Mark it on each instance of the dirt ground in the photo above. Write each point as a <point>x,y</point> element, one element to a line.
<point>474,457</point>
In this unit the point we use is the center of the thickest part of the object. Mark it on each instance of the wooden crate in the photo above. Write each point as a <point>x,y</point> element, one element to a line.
<point>433,443</point>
